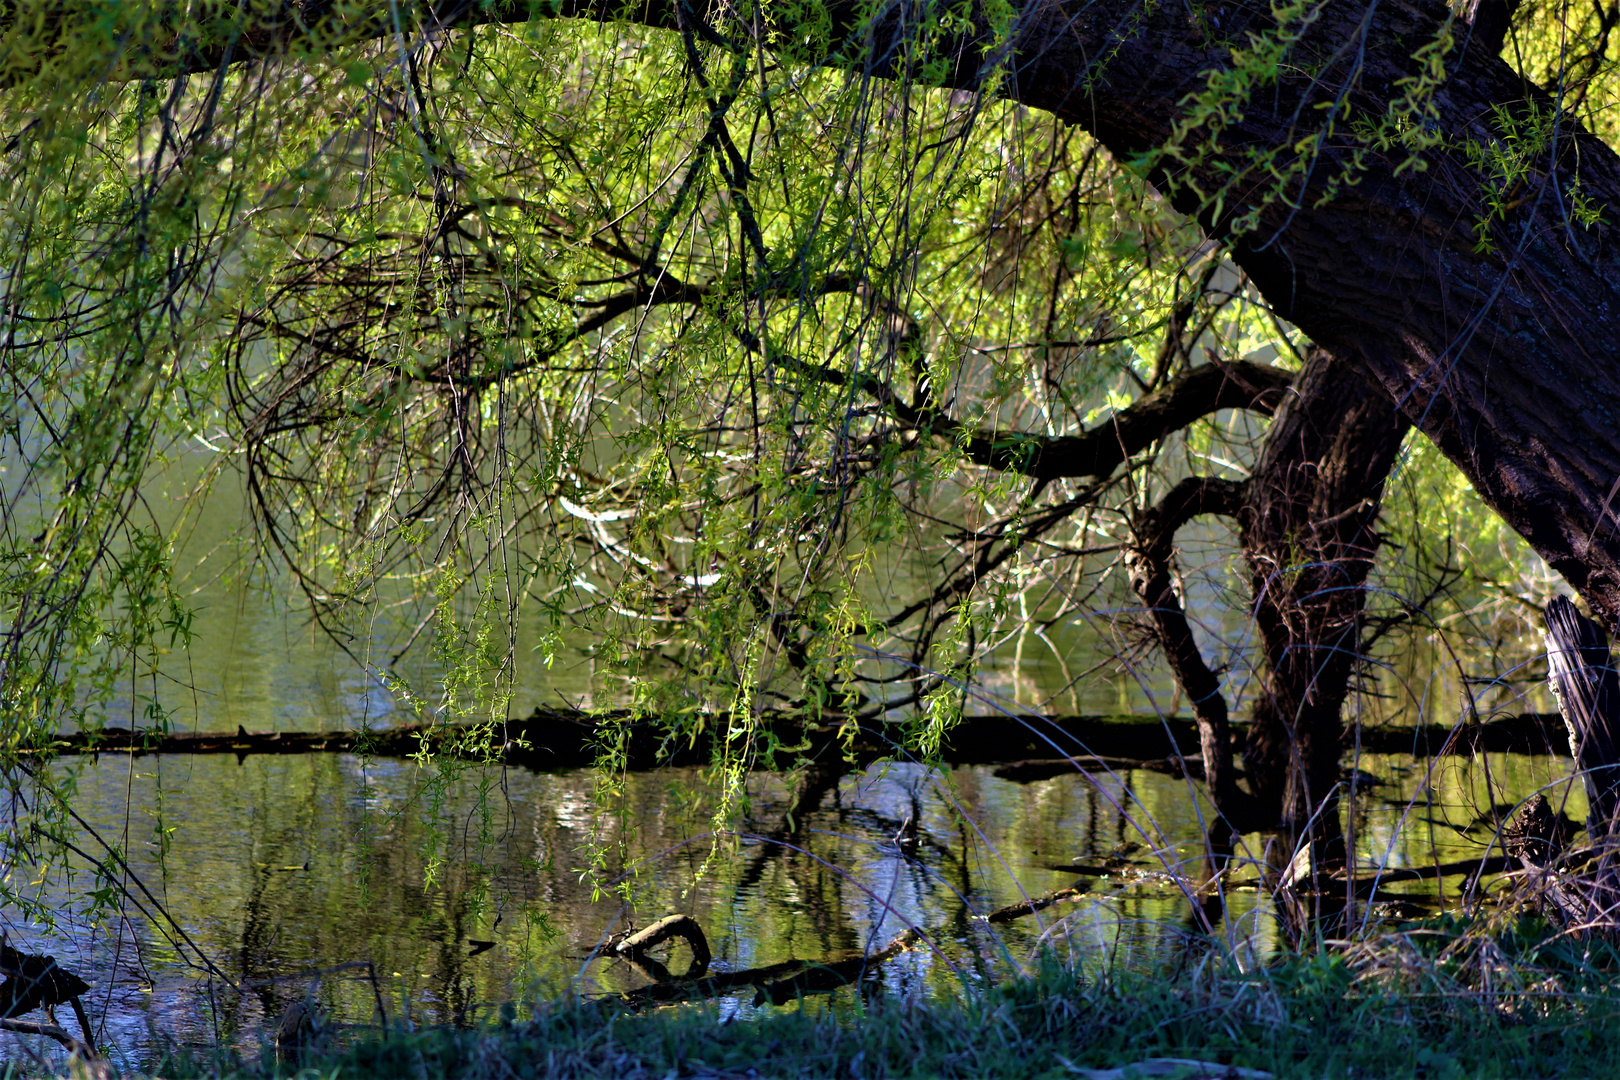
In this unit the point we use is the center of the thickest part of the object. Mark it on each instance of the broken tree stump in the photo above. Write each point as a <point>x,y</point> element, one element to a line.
<point>1577,888</point>
<point>1583,680</point>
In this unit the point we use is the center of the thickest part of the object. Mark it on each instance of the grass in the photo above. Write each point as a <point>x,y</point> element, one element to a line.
<point>1438,1000</point>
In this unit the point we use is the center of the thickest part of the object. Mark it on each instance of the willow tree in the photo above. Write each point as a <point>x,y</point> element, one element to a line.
<point>675,324</point>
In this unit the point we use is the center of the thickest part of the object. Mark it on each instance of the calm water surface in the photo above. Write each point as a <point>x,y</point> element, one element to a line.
<point>481,886</point>
<point>279,866</point>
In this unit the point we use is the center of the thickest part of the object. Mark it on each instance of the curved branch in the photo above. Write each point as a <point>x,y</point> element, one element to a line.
<point>1193,497</point>
<point>1149,567</point>
<point>1206,389</point>
<point>50,1031</point>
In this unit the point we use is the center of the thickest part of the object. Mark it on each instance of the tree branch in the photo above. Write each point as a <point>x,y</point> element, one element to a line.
<point>1500,350</point>
<point>1149,567</point>
<point>1206,389</point>
<point>1193,497</point>
<point>50,1031</point>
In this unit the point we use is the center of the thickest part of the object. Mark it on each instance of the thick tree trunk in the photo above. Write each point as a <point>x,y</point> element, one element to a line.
<point>1502,353</point>
<point>1307,529</point>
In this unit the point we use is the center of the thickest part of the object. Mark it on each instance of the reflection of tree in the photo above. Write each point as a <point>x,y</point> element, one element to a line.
<point>276,919</point>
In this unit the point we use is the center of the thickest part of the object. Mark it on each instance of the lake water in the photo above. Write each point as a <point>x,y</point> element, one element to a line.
<point>466,887</point>
<point>279,865</point>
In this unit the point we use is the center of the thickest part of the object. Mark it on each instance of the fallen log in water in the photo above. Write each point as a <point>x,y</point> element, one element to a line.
<point>1370,879</point>
<point>52,1031</point>
<point>777,984</point>
<point>39,982</point>
<point>569,738</point>
<point>1039,903</point>
<point>1029,772</point>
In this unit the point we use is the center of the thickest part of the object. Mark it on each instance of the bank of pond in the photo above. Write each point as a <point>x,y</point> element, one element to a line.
<point>1438,999</point>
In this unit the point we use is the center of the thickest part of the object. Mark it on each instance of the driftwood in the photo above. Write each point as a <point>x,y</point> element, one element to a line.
<point>636,944</point>
<point>1033,771</point>
<point>1474,868</point>
<point>39,982</point>
<point>49,1031</point>
<point>564,738</point>
<point>1038,903</point>
<point>1370,880</point>
<point>777,984</point>
<point>1124,870</point>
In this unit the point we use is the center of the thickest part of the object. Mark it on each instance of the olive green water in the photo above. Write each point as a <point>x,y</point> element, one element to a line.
<point>276,866</point>
<point>470,889</point>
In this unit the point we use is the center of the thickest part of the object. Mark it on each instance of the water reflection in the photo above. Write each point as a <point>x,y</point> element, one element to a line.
<point>277,865</point>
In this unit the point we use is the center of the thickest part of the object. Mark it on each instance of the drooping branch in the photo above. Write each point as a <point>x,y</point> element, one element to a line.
<point>1491,324</point>
<point>1497,345</point>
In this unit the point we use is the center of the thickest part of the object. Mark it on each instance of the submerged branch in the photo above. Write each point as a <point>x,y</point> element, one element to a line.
<point>50,1031</point>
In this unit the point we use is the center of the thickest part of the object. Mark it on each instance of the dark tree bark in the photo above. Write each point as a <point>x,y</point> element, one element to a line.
<point>1306,518</point>
<point>1581,671</point>
<point>1579,889</point>
<point>1503,357</point>
<point>1152,579</point>
<point>1200,392</point>
<point>1488,22</point>
<point>1307,531</point>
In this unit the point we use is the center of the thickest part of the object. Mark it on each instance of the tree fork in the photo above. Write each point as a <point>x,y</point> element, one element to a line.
<point>1149,565</point>
<point>1306,520</point>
